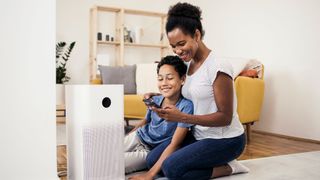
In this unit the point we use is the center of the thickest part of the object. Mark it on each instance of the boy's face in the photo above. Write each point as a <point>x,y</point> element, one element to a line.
<point>169,82</point>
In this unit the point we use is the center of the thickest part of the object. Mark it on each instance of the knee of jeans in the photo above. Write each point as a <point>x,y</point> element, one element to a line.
<point>169,169</point>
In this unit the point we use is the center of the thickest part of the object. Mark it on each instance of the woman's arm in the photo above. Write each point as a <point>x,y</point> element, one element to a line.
<point>223,95</point>
<point>177,139</point>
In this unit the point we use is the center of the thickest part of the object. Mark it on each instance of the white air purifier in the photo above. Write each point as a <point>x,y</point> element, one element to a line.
<point>95,132</point>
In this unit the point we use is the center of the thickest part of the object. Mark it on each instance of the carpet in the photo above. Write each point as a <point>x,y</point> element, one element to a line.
<point>285,167</point>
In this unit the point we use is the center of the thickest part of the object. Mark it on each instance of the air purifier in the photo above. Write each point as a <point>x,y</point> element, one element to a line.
<point>95,132</point>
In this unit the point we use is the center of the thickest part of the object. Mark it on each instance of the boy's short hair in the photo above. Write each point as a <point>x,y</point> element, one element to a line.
<point>174,61</point>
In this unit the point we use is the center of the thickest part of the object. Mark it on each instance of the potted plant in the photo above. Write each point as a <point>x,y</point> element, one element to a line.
<point>62,56</point>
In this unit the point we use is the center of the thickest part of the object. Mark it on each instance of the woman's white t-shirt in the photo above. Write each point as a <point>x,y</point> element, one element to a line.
<point>198,88</point>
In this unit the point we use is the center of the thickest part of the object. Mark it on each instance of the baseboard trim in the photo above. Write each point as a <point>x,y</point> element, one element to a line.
<point>286,137</point>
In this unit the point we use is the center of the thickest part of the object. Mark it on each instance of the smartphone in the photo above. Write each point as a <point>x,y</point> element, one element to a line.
<point>149,102</point>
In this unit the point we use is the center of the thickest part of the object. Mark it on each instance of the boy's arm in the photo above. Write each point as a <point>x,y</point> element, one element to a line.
<point>177,139</point>
<point>140,124</point>
<point>143,121</point>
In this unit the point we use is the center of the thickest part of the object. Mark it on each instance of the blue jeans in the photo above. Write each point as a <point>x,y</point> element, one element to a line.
<point>196,159</point>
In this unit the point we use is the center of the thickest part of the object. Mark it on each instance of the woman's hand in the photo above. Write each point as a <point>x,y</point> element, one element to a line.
<point>169,113</point>
<point>145,176</point>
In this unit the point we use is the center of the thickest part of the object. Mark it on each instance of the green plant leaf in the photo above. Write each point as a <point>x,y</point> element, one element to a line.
<point>62,57</point>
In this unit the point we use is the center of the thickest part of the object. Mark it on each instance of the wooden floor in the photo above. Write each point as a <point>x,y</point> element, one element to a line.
<point>261,145</point>
<point>264,145</point>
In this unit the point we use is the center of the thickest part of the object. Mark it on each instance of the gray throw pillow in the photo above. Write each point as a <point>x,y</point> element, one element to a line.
<point>125,75</point>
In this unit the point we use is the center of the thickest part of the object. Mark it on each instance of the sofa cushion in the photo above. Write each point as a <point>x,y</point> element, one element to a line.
<point>134,107</point>
<point>249,73</point>
<point>241,64</point>
<point>125,75</point>
<point>238,64</point>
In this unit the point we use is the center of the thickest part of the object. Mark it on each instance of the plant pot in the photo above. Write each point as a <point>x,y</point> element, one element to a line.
<point>60,94</point>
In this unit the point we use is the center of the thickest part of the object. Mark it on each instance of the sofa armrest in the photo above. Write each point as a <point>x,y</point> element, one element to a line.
<point>134,107</point>
<point>250,92</point>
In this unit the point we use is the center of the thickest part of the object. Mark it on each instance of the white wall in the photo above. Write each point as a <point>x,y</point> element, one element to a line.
<point>284,35</point>
<point>27,122</point>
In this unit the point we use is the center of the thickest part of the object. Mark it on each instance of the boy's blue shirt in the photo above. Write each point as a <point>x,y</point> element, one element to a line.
<point>158,130</point>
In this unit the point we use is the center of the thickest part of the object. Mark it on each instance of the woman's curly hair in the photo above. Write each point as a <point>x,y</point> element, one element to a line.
<point>185,16</point>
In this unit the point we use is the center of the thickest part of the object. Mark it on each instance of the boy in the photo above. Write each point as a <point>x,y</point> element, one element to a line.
<point>154,130</point>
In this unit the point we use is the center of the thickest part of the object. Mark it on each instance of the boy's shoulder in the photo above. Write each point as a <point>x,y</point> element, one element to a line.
<point>186,100</point>
<point>186,106</point>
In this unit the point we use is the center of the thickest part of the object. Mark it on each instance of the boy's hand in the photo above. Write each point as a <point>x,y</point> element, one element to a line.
<point>169,113</point>
<point>150,103</point>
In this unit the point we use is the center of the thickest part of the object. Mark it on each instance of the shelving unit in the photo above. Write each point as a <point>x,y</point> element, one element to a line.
<point>119,43</point>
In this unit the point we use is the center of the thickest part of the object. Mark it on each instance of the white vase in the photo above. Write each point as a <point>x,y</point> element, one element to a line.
<point>60,94</point>
<point>137,35</point>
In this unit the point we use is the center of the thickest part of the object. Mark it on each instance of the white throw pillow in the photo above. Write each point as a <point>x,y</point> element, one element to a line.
<point>146,78</point>
<point>238,64</point>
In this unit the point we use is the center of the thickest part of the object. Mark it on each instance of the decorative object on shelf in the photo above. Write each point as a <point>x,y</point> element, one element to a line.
<point>111,38</point>
<point>127,35</point>
<point>161,37</point>
<point>107,37</point>
<point>99,36</point>
<point>62,56</point>
<point>137,34</point>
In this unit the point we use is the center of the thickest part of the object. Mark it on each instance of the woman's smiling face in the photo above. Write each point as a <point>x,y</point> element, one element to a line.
<point>182,44</point>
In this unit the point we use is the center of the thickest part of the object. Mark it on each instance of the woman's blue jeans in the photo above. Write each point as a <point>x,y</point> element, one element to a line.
<point>196,159</point>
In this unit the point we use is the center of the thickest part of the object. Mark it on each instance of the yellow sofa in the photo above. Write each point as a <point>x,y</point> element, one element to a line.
<point>249,91</point>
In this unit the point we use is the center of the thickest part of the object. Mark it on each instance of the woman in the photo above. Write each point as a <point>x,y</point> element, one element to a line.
<point>209,85</point>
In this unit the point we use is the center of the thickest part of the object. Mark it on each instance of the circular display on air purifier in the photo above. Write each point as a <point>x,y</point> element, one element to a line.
<point>106,102</point>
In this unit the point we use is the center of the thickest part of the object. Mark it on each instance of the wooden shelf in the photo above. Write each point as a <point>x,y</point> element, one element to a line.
<point>146,45</point>
<point>133,44</point>
<point>109,42</point>
<point>107,9</point>
<point>144,13</point>
<point>61,113</point>
<point>121,45</point>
